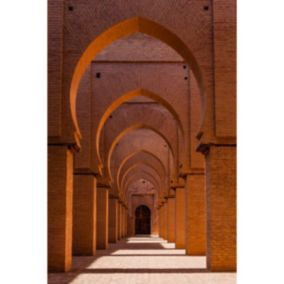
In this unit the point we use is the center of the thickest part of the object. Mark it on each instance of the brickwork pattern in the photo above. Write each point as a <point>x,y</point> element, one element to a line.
<point>60,198</point>
<point>195,215</point>
<point>102,217</point>
<point>221,208</point>
<point>84,215</point>
<point>113,220</point>
<point>180,217</point>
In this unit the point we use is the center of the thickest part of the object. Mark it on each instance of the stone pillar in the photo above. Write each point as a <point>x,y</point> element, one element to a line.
<point>113,220</point>
<point>180,217</point>
<point>102,217</point>
<point>221,207</point>
<point>171,219</point>
<point>195,214</point>
<point>84,214</point>
<point>60,195</point>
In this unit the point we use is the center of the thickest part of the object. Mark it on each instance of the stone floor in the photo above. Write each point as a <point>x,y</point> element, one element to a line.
<point>139,260</point>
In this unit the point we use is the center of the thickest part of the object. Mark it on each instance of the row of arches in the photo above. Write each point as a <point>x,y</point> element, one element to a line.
<point>136,130</point>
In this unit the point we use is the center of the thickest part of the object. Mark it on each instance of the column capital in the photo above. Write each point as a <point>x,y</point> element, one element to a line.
<point>171,196</point>
<point>103,182</point>
<point>69,142</point>
<point>204,146</point>
<point>111,196</point>
<point>85,172</point>
<point>175,186</point>
<point>192,172</point>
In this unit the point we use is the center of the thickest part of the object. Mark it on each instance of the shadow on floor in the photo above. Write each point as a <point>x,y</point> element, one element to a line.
<point>144,270</point>
<point>143,243</point>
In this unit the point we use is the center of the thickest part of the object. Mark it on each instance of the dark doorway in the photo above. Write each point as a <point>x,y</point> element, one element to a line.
<point>142,220</point>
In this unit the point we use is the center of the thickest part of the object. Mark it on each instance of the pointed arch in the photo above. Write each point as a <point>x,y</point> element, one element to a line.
<point>131,155</point>
<point>123,29</point>
<point>125,132</point>
<point>136,165</point>
<point>127,96</point>
<point>140,174</point>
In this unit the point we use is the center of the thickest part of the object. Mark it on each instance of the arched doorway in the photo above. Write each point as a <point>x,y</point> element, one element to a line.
<point>142,220</point>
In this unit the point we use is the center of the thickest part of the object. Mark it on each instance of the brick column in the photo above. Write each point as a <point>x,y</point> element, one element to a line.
<point>160,221</point>
<point>166,220</point>
<point>121,220</point>
<point>171,219</point>
<point>125,222</point>
<point>113,220</point>
<point>180,217</point>
<point>60,195</point>
<point>195,214</point>
<point>84,214</point>
<point>102,217</point>
<point>118,219</point>
<point>221,207</point>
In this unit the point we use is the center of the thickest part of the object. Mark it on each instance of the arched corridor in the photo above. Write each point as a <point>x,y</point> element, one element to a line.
<point>142,142</point>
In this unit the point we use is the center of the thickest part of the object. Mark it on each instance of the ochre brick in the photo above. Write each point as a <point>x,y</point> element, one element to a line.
<point>195,214</point>
<point>102,217</point>
<point>85,215</point>
<point>60,198</point>
<point>221,208</point>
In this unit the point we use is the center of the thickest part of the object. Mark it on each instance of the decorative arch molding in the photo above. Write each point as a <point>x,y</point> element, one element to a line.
<point>130,95</point>
<point>141,175</point>
<point>121,183</point>
<point>132,155</point>
<point>128,193</point>
<point>123,29</point>
<point>137,174</point>
<point>125,132</point>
